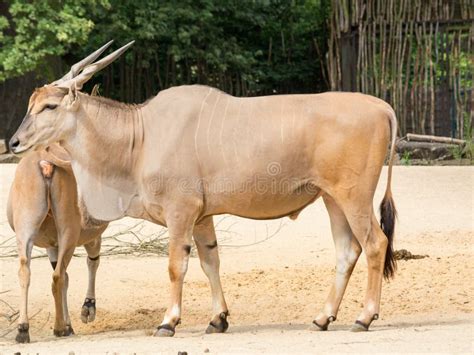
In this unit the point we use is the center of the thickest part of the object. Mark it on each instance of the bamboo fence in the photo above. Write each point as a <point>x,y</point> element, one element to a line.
<point>415,54</point>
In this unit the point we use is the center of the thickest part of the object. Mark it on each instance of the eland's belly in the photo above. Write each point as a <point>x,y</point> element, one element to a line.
<point>262,200</point>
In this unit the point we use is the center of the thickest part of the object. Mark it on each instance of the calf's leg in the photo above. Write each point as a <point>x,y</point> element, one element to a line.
<point>66,217</point>
<point>25,246</point>
<point>62,324</point>
<point>27,210</point>
<point>53,258</point>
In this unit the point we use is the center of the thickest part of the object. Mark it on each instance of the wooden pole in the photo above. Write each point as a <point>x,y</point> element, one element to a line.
<point>434,139</point>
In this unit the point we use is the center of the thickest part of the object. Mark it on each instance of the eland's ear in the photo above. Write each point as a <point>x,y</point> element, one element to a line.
<point>95,90</point>
<point>72,99</point>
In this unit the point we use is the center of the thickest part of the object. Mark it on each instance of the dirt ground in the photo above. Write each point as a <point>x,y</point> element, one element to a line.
<point>275,287</point>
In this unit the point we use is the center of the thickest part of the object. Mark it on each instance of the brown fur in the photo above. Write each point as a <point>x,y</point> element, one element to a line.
<point>42,206</point>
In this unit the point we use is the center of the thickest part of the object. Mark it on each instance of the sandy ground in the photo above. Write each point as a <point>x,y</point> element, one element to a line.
<point>275,287</point>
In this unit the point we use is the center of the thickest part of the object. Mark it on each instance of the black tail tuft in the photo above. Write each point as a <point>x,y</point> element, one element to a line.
<point>388,214</point>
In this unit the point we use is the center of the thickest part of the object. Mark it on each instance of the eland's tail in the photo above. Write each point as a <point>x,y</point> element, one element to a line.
<point>388,213</point>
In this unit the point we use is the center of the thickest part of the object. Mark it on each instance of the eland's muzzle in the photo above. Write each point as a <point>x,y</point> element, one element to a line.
<point>14,144</point>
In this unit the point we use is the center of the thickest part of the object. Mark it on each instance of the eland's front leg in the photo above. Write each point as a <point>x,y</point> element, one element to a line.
<point>88,310</point>
<point>206,243</point>
<point>180,227</point>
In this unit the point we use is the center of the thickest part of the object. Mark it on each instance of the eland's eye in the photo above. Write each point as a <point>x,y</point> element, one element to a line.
<point>50,107</point>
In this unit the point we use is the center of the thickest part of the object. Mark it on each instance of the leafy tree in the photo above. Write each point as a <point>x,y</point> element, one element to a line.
<point>244,47</point>
<point>32,31</point>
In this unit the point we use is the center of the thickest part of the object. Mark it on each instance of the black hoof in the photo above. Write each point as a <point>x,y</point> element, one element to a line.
<point>67,331</point>
<point>164,330</point>
<point>315,326</point>
<point>23,335</point>
<point>219,324</point>
<point>359,326</point>
<point>88,310</point>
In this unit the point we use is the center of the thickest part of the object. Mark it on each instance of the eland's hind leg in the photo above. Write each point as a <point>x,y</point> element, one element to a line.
<point>88,310</point>
<point>27,209</point>
<point>67,318</point>
<point>64,209</point>
<point>53,259</point>
<point>375,248</point>
<point>374,243</point>
<point>347,253</point>
<point>62,325</point>
<point>25,246</point>
<point>206,243</point>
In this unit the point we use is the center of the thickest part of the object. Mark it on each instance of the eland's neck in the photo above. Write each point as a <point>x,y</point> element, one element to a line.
<point>108,138</point>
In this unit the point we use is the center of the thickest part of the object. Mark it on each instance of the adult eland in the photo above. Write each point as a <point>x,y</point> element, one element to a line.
<point>193,152</point>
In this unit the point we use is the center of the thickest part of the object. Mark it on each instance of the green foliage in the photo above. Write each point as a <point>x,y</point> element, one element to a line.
<point>465,151</point>
<point>33,31</point>
<point>457,152</point>
<point>244,47</point>
<point>406,158</point>
<point>468,150</point>
<point>3,25</point>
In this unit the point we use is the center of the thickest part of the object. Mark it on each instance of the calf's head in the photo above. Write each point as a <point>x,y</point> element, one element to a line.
<point>52,109</point>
